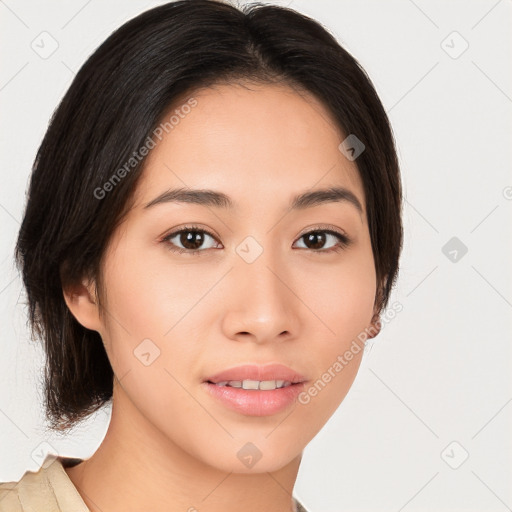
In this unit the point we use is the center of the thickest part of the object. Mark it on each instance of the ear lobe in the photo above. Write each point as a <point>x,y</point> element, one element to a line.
<point>81,301</point>
<point>375,326</point>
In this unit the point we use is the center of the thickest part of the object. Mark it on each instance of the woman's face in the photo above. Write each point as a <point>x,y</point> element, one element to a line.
<point>257,291</point>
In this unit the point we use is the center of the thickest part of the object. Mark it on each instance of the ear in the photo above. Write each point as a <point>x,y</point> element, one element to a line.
<point>81,301</point>
<point>376,325</point>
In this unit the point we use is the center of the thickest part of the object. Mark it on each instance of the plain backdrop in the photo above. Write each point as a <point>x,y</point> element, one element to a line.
<point>426,425</point>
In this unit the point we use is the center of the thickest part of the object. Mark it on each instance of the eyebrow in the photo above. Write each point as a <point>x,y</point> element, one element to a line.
<point>206,197</point>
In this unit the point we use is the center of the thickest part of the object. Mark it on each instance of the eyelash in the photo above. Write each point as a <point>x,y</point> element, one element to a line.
<point>344,241</point>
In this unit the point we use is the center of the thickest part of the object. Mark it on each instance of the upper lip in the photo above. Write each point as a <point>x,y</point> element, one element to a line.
<point>257,372</point>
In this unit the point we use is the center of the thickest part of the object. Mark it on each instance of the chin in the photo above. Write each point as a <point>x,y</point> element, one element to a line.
<point>249,457</point>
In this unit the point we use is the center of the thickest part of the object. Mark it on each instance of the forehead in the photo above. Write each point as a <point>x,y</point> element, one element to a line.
<point>253,142</point>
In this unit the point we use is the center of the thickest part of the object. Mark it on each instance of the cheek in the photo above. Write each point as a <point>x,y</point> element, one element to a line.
<point>343,295</point>
<point>152,307</point>
<point>343,300</point>
<point>149,340</point>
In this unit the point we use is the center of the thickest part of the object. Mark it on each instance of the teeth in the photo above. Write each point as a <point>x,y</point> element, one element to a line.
<point>255,384</point>
<point>251,384</point>
<point>267,384</point>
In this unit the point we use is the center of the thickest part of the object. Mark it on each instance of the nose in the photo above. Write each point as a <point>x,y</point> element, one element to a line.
<point>260,304</point>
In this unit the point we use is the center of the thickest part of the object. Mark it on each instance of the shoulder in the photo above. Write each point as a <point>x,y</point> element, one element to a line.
<point>48,489</point>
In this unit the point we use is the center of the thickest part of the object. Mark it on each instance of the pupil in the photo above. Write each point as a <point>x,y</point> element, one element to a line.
<point>316,236</point>
<point>191,239</point>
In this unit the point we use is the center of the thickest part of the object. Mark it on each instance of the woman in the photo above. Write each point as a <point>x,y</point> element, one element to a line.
<point>213,228</point>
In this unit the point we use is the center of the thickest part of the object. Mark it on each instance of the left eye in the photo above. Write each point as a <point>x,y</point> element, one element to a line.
<point>319,237</point>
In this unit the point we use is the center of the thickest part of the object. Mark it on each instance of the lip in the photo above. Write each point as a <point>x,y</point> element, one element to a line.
<point>253,402</point>
<point>257,372</point>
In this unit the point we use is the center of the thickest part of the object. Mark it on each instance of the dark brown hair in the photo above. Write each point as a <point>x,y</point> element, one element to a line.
<point>115,101</point>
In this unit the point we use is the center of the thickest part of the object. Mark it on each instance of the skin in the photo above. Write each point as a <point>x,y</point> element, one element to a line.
<point>169,445</point>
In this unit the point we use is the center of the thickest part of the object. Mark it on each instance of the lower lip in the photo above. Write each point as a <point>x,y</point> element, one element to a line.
<point>254,402</point>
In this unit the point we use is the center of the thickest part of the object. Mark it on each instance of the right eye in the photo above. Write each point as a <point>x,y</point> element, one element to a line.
<point>190,238</point>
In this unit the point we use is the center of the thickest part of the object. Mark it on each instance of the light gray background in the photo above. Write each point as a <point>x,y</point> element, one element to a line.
<point>435,385</point>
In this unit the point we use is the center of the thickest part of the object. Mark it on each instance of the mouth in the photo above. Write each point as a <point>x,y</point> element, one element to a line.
<point>264,385</point>
<point>256,390</point>
<point>251,375</point>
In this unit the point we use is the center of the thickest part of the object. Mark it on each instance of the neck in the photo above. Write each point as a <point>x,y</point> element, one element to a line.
<point>137,468</point>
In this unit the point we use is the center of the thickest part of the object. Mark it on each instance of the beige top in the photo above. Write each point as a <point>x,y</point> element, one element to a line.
<point>50,490</point>
<point>47,490</point>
